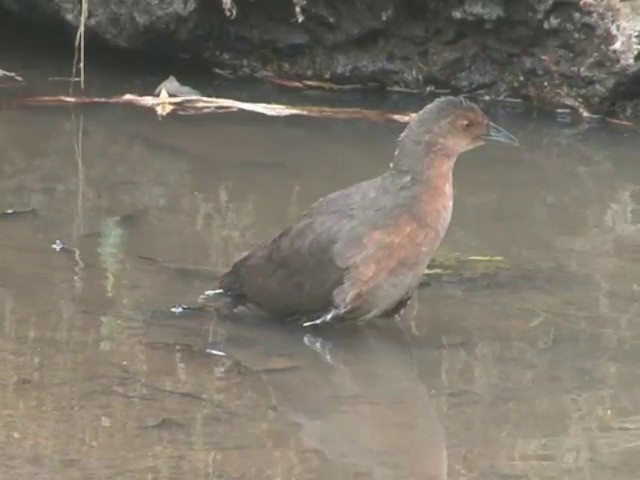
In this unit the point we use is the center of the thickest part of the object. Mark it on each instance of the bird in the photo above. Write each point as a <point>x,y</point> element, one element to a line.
<point>359,253</point>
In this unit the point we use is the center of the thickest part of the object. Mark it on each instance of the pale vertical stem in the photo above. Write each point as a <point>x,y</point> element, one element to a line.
<point>79,56</point>
<point>79,220</point>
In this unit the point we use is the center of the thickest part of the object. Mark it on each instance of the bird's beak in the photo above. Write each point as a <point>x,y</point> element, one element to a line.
<point>499,134</point>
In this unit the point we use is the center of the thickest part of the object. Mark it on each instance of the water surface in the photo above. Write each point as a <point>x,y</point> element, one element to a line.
<point>531,373</point>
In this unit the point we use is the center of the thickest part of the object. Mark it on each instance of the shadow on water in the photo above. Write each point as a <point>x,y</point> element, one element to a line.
<point>532,373</point>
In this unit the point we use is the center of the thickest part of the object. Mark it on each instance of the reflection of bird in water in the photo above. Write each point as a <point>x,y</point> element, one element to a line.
<point>360,252</point>
<point>360,403</point>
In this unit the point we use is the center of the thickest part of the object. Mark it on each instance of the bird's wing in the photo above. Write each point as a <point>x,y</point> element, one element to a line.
<point>295,273</point>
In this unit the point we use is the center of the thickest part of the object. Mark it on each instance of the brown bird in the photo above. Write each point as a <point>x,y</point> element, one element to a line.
<point>360,252</point>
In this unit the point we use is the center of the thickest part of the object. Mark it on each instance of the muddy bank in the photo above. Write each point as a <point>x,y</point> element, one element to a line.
<point>553,51</point>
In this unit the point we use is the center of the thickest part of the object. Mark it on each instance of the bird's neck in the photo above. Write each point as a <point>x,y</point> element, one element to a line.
<point>428,168</point>
<point>428,162</point>
<point>438,175</point>
<point>419,157</point>
<point>436,192</point>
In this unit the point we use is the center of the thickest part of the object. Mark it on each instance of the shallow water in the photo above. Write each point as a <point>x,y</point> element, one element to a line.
<point>532,373</point>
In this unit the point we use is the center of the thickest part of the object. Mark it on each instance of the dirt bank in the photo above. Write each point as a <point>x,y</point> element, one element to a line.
<point>552,51</point>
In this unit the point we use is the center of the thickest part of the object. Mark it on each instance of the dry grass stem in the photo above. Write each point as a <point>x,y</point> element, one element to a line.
<point>164,104</point>
<point>15,76</point>
<point>79,55</point>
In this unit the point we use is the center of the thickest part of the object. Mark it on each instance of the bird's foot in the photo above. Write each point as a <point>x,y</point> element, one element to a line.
<point>179,308</point>
<point>323,319</point>
<point>207,294</point>
<point>182,309</point>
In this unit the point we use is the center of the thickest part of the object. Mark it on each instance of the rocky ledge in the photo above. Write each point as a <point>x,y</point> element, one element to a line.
<point>581,53</point>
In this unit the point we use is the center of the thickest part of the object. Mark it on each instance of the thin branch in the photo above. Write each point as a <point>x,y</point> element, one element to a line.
<point>15,76</point>
<point>78,58</point>
<point>199,105</point>
<point>79,218</point>
<point>196,105</point>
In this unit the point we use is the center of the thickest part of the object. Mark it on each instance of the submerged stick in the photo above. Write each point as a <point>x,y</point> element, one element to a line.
<point>183,104</point>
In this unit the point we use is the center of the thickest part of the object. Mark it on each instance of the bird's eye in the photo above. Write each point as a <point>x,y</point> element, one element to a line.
<point>466,124</point>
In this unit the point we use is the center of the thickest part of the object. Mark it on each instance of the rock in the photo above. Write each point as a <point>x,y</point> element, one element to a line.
<point>581,53</point>
<point>487,10</point>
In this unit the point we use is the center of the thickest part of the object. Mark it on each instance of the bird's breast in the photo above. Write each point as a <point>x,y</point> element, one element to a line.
<point>396,254</point>
<point>434,210</point>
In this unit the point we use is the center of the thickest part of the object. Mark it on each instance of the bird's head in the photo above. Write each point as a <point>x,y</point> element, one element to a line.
<point>451,126</point>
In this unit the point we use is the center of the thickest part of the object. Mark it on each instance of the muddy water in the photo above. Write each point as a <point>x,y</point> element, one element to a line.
<point>530,373</point>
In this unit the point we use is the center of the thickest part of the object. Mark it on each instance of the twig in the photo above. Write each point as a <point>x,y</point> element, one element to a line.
<point>64,79</point>
<point>195,105</point>
<point>15,76</point>
<point>617,121</point>
<point>199,105</point>
<point>315,84</point>
<point>79,219</point>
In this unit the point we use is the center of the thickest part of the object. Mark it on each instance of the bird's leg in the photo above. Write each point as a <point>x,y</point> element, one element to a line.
<point>401,306</point>
<point>327,317</point>
<point>320,346</point>
<point>216,339</point>
<point>406,314</point>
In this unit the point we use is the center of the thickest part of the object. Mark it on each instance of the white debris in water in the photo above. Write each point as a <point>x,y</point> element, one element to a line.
<point>211,293</point>
<point>213,351</point>
<point>177,309</point>
<point>230,9</point>
<point>297,6</point>
<point>57,245</point>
